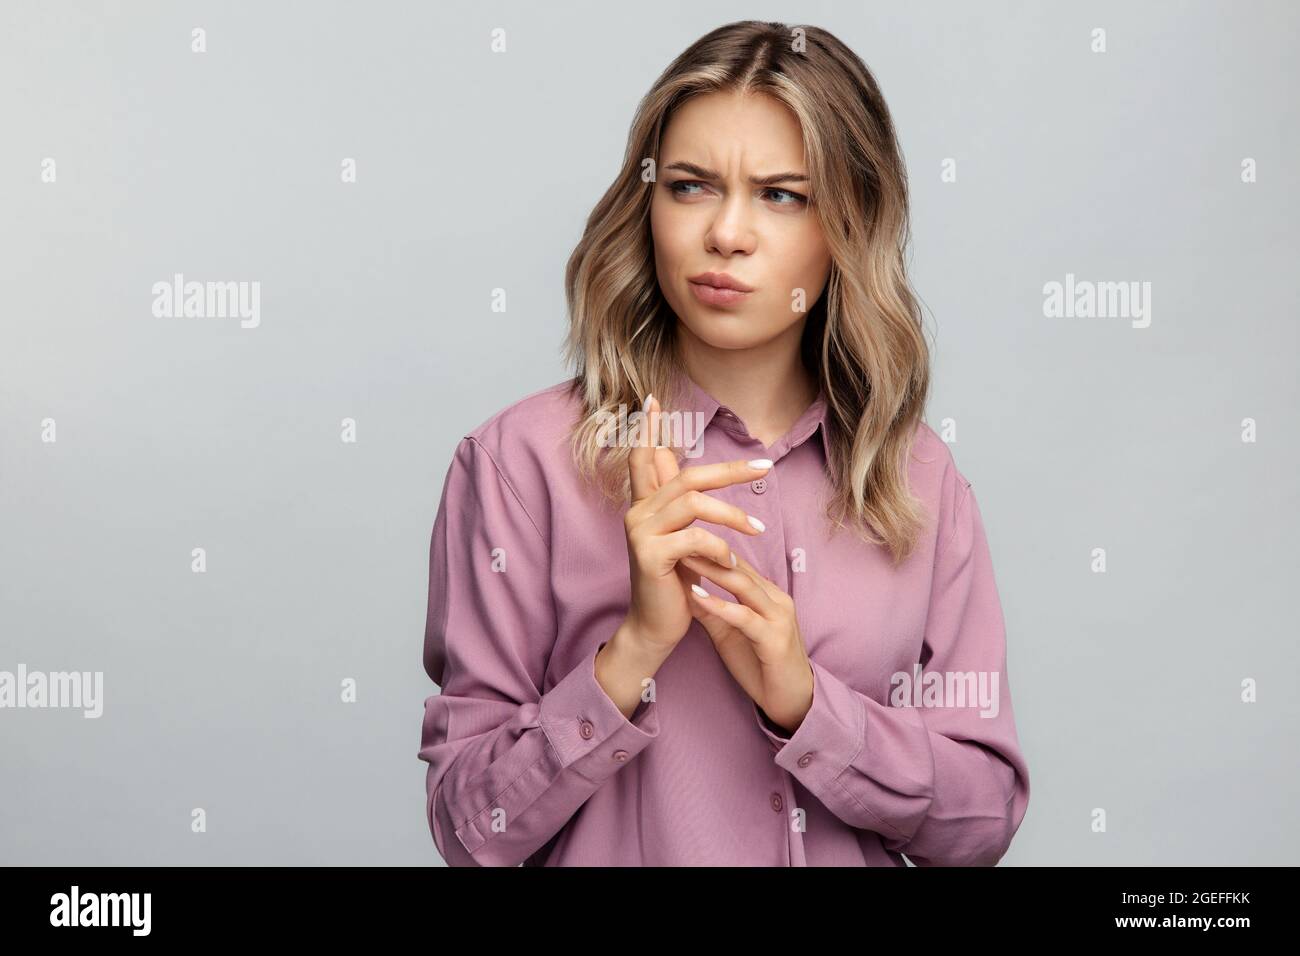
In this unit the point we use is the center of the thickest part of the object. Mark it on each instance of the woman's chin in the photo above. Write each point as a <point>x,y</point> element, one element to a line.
<point>732,330</point>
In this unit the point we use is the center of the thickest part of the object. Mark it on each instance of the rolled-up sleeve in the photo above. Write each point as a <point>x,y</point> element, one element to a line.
<point>509,765</point>
<point>946,785</point>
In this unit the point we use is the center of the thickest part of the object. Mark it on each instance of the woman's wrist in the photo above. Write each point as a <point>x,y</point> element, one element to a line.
<point>623,665</point>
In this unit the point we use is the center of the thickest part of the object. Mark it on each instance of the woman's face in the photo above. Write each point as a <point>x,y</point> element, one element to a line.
<point>708,215</point>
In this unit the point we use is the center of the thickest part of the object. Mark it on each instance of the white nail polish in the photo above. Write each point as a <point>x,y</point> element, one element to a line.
<point>756,523</point>
<point>699,590</point>
<point>760,463</point>
<point>733,559</point>
<point>646,404</point>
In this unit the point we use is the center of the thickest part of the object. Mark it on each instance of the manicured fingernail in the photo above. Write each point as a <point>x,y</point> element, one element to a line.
<point>756,523</point>
<point>760,463</point>
<point>733,559</point>
<point>646,404</point>
<point>699,590</point>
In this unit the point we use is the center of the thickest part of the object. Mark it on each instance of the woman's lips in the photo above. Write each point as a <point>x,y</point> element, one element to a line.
<point>711,295</point>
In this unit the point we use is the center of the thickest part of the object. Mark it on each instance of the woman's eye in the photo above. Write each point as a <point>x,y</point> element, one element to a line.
<point>782,197</point>
<point>674,187</point>
<point>794,200</point>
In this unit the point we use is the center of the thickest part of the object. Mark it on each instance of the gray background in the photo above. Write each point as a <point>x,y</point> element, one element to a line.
<point>477,171</point>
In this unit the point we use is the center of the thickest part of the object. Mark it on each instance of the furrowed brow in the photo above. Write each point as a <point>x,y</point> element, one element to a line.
<point>712,175</point>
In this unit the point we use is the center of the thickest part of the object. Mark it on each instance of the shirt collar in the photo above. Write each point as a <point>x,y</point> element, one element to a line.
<point>693,398</point>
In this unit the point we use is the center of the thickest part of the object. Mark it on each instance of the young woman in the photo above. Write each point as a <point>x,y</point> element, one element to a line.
<point>772,637</point>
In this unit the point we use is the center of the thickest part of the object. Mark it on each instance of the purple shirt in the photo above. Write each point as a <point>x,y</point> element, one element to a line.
<point>910,746</point>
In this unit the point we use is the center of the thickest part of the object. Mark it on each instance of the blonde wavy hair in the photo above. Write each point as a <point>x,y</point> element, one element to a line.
<point>863,338</point>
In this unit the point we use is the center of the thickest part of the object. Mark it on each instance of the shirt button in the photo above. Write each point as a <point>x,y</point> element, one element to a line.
<point>620,755</point>
<point>586,730</point>
<point>759,485</point>
<point>805,760</point>
<point>777,802</point>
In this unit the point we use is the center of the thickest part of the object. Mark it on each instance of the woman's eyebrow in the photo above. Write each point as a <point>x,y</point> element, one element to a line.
<point>699,172</point>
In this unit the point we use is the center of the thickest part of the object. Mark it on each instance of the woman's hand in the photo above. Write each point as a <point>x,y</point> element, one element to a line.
<point>665,501</point>
<point>757,639</point>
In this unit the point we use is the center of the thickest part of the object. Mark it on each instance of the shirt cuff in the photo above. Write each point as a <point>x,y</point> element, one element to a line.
<point>828,739</point>
<point>587,730</point>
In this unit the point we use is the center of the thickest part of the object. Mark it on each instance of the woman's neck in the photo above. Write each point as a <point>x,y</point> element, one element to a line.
<point>767,389</point>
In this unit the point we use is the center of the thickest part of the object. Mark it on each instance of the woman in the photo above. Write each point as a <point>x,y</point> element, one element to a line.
<point>773,637</point>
